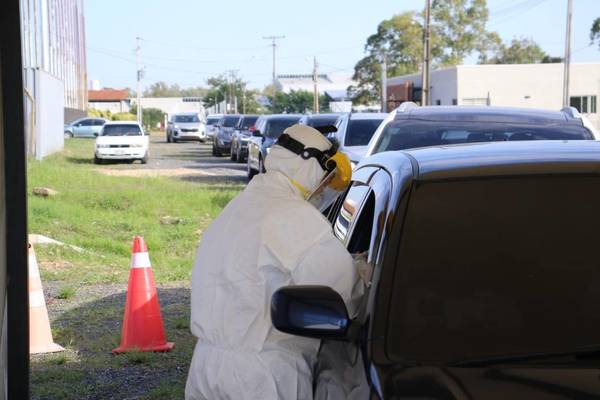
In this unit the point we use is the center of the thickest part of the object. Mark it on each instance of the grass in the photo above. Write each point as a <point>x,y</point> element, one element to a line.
<point>100,214</point>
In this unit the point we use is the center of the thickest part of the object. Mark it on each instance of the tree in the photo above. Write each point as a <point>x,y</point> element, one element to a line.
<point>162,89</point>
<point>233,89</point>
<point>297,101</point>
<point>520,51</point>
<point>151,117</point>
<point>460,25</point>
<point>595,32</point>
<point>400,38</point>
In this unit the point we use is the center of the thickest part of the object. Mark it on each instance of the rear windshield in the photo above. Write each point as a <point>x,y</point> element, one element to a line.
<point>121,130</point>
<point>275,127</point>
<point>407,134</point>
<point>497,267</point>
<point>187,118</point>
<point>248,122</point>
<point>361,131</point>
<point>212,120</point>
<point>322,121</point>
<point>230,121</point>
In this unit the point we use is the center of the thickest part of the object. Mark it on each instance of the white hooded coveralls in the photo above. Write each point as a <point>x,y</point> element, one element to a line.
<point>265,238</point>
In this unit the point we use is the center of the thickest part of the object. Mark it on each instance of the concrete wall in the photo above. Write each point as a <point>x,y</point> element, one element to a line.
<point>71,114</point>
<point>49,115</point>
<point>442,86</point>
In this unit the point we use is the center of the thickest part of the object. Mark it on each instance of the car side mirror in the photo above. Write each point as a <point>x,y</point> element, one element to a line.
<point>257,133</point>
<point>79,125</point>
<point>310,311</point>
<point>95,133</point>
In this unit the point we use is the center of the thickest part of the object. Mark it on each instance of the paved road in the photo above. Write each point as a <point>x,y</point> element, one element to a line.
<point>191,161</point>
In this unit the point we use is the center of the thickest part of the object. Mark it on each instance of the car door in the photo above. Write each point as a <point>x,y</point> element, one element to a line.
<point>358,220</point>
<point>83,128</point>
<point>96,127</point>
<point>254,144</point>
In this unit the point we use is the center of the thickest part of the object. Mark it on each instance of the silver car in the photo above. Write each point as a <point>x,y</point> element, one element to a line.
<point>355,131</point>
<point>211,125</point>
<point>185,126</point>
<point>84,127</point>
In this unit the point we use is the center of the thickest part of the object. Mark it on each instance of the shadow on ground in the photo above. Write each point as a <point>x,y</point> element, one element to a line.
<point>88,369</point>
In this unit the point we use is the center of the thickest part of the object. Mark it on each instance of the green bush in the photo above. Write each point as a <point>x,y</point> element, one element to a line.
<point>123,117</point>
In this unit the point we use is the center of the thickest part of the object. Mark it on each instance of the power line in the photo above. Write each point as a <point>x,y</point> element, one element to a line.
<point>274,45</point>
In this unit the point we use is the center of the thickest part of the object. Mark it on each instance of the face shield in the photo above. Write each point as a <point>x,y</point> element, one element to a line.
<point>338,171</point>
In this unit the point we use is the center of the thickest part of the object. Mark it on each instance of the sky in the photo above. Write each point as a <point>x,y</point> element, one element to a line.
<point>188,41</point>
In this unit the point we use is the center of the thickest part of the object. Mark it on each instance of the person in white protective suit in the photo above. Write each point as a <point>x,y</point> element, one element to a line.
<point>267,237</point>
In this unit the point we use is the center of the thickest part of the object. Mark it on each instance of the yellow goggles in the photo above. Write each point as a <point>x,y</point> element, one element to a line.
<point>343,171</point>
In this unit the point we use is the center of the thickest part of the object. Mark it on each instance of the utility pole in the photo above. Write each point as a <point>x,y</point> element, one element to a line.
<point>426,56</point>
<point>316,90</point>
<point>274,45</point>
<point>383,82</point>
<point>139,79</point>
<point>567,63</point>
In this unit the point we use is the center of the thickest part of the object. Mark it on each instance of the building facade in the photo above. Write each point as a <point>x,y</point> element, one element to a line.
<point>53,33</point>
<point>512,85</point>
<point>113,100</point>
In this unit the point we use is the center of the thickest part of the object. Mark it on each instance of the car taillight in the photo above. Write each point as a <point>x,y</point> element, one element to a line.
<point>252,128</point>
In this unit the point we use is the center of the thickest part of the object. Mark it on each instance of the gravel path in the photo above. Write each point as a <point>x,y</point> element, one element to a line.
<point>187,160</point>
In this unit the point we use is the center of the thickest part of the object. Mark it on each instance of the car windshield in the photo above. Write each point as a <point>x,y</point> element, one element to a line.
<point>496,267</point>
<point>275,127</point>
<point>408,134</point>
<point>121,130</point>
<point>228,122</point>
<point>186,118</point>
<point>248,122</point>
<point>361,131</point>
<point>212,121</point>
<point>322,120</point>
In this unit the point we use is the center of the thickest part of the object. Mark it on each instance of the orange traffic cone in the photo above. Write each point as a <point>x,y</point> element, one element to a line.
<point>40,335</point>
<point>142,324</point>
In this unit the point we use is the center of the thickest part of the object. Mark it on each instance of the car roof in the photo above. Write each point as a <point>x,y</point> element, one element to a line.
<point>487,114</point>
<point>214,116</point>
<point>122,123</point>
<point>283,116</point>
<point>493,159</point>
<point>356,116</point>
<point>323,116</point>
<point>186,113</point>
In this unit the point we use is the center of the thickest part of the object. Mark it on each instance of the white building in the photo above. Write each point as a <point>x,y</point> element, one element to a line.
<point>172,105</point>
<point>113,100</point>
<point>334,86</point>
<point>515,85</point>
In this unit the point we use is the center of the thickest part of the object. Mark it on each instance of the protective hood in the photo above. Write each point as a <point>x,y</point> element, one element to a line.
<point>305,173</point>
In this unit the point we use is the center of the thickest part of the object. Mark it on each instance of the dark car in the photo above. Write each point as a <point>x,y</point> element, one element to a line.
<point>485,278</point>
<point>240,137</point>
<point>268,130</point>
<point>316,120</point>
<point>411,126</point>
<point>222,137</point>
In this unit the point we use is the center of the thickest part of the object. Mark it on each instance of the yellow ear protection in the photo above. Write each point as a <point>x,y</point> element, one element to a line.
<point>328,160</point>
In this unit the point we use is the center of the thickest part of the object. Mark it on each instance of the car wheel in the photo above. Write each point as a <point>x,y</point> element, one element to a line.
<point>97,160</point>
<point>168,138</point>
<point>145,159</point>
<point>68,135</point>
<point>261,166</point>
<point>251,173</point>
<point>232,154</point>
<point>238,155</point>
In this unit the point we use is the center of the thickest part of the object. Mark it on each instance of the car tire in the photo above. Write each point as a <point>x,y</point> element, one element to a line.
<point>232,154</point>
<point>261,166</point>
<point>145,159</point>
<point>250,173</point>
<point>68,135</point>
<point>238,155</point>
<point>98,160</point>
<point>169,138</point>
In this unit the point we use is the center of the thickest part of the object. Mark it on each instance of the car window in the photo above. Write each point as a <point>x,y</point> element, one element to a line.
<point>99,122</point>
<point>360,131</point>
<point>86,122</point>
<point>321,121</point>
<point>212,120</point>
<point>230,121</point>
<point>248,122</point>
<point>275,127</point>
<point>349,210</point>
<point>121,130</point>
<point>496,267</point>
<point>186,118</point>
<point>408,134</point>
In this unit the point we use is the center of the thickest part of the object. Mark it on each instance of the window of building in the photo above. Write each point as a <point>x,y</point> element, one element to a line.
<point>584,104</point>
<point>438,102</point>
<point>454,102</point>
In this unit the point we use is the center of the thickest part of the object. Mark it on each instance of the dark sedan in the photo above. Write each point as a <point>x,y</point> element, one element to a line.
<point>483,277</point>
<point>268,130</point>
